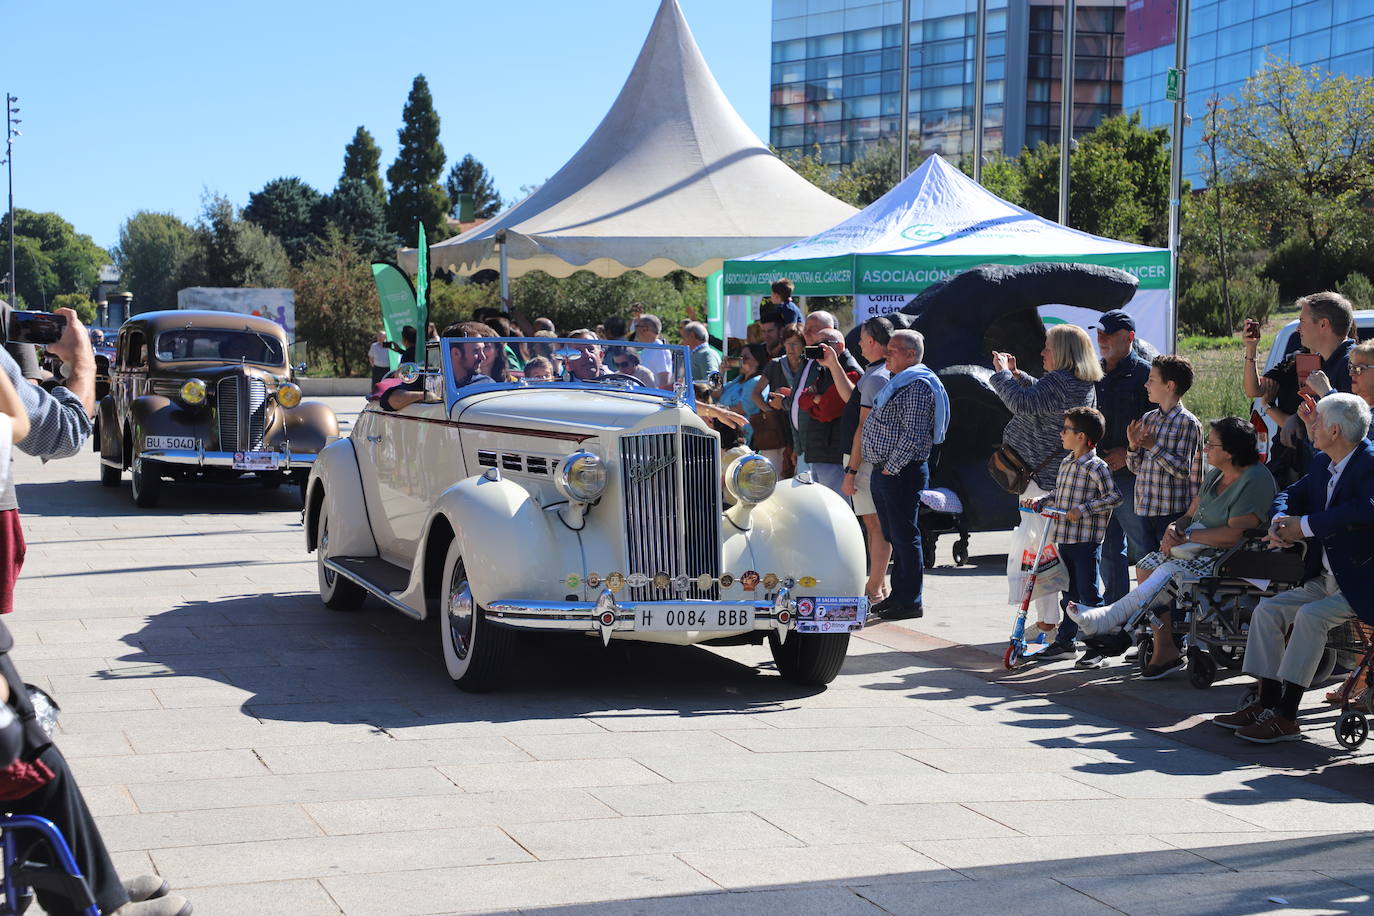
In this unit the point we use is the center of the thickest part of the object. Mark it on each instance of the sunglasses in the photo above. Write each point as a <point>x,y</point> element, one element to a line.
<point>1357,369</point>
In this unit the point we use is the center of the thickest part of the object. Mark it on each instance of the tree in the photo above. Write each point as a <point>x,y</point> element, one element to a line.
<point>336,301</point>
<point>233,252</point>
<point>50,257</point>
<point>358,214</point>
<point>363,161</point>
<point>416,196</point>
<point>469,176</point>
<point>77,302</point>
<point>154,253</point>
<point>289,209</point>
<point>1298,146</point>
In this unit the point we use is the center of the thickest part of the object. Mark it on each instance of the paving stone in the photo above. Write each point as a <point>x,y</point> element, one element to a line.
<point>387,754</point>
<point>306,787</point>
<point>493,888</point>
<point>990,858</point>
<point>833,739</point>
<point>707,745</point>
<point>809,901</point>
<point>132,769</point>
<point>1226,893</point>
<point>197,828</point>
<point>721,795</point>
<point>1072,817</point>
<point>1019,895</point>
<point>679,768</point>
<point>1244,785</point>
<point>1023,760</point>
<point>637,721</point>
<point>315,857</point>
<point>1340,813</point>
<point>567,774</point>
<point>1272,850</point>
<point>932,785</point>
<point>648,835</point>
<point>298,898</point>
<point>849,864</point>
<point>466,810</point>
<point>883,823</point>
<point>105,801</point>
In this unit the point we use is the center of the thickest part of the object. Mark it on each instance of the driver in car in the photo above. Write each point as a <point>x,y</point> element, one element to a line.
<point>239,347</point>
<point>585,364</point>
<point>465,359</point>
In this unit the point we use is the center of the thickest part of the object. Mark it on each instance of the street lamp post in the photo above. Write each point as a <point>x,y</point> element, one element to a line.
<point>11,109</point>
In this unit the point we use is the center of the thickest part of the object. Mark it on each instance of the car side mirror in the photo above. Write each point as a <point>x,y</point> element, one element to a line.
<point>408,372</point>
<point>301,367</point>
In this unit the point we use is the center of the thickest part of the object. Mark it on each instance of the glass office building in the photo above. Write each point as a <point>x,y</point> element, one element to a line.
<point>1228,41</point>
<point>836,80</point>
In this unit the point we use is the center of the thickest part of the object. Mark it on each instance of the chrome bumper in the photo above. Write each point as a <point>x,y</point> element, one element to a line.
<point>286,460</point>
<point>606,616</point>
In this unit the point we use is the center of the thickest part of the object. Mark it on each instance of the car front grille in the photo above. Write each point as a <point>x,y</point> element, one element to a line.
<point>241,402</point>
<point>672,509</point>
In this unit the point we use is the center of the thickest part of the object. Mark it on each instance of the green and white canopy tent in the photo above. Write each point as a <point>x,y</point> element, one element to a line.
<point>935,224</point>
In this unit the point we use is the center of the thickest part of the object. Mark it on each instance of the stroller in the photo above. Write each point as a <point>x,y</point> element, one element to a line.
<point>941,512</point>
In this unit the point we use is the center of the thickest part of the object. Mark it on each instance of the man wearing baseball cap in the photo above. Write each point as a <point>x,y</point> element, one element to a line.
<point>1121,398</point>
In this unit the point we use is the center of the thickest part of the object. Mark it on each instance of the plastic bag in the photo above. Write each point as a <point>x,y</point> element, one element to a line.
<point>1053,576</point>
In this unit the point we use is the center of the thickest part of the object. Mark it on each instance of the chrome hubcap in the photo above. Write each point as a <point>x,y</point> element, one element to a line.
<point>460,618</point>
<point>324,551</point>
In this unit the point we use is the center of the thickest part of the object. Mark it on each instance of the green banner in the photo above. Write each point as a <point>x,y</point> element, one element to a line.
<point>399,306</point>
<point>715,305</point>
<point>849,275</point>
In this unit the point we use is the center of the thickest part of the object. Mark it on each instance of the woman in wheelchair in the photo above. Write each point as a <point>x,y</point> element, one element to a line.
<point>1236,494</point>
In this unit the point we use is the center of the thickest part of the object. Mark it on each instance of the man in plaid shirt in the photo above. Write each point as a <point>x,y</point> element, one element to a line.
<point>1085,490</point>
<point>897,438</point>
<point>1164,448</point>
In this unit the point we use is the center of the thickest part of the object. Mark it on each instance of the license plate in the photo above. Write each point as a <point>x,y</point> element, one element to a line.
<point>693,617</point>
<point>180,442</point>
<point>255,461</point>
<point>828,614</point>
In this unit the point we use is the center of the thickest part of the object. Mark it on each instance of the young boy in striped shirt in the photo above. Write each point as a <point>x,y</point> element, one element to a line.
<point>1085,491</point>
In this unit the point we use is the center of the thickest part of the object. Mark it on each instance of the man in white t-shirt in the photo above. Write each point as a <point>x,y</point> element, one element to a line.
<point>659,362</point>
<point>379,357</point>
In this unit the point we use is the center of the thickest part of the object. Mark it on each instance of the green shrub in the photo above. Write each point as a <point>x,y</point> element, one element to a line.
<point>1358,289</point>
<point>1202,309</point>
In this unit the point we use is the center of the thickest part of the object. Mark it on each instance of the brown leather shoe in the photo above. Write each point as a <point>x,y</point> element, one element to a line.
<point>1240,718</point>
<point>1270,728</point>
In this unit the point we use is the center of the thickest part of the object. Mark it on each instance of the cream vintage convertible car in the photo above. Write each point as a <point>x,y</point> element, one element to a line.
<point>589,503</point>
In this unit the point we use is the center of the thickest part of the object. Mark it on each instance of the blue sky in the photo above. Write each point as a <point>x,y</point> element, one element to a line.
<point>145,105</point>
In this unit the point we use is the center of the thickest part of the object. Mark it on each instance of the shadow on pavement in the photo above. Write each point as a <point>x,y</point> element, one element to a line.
<point>305,663</point>
<point>65,498</point>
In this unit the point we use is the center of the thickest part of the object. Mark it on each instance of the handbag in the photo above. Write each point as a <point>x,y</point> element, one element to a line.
<point>768,431</point>
<point>1010,471</point>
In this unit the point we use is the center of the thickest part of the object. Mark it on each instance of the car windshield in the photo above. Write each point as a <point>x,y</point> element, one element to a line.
<point>528,362</point>
<point>219,344</point>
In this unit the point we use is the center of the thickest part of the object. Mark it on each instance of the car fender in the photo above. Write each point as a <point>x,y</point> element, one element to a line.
<point>335,486</point>
<point>308,426</point>
<point>512,546</point>
<point>801,530</point>
<point>110,445</point>
<point>155,415</point>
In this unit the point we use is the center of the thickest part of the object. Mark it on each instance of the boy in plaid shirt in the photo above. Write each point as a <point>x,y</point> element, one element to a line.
<point>1164,448</point>
<point>1085,490</point>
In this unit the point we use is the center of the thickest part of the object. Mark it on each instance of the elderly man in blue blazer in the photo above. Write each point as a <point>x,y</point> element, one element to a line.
<point>1332,508</point>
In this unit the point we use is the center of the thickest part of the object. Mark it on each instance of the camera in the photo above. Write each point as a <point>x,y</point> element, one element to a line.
<point>34,327</point>
<point>814,351</point>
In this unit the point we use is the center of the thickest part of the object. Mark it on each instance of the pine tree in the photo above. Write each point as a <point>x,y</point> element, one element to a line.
<point>471,177</point>
<point>358,214</point>
<point>363,161</point>
<point>416,195</point>
<point>286,208</point>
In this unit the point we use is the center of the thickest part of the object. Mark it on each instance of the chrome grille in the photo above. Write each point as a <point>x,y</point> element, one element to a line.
<point>241,404</point>
<point>672,509</point>
<point>227,406</point>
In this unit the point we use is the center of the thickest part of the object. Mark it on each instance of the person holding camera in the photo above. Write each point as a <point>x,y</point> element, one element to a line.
<point>827,387</point>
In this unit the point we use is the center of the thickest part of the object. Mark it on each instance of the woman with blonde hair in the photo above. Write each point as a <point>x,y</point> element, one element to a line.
<point>1037,417</point>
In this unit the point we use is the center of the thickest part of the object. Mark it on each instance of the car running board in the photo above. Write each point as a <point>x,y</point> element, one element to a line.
<point>377,577</point>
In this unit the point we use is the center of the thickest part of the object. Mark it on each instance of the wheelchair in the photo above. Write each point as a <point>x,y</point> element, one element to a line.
<point>20,836</point>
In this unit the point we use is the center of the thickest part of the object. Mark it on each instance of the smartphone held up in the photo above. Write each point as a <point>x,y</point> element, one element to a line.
<point>40,328</point>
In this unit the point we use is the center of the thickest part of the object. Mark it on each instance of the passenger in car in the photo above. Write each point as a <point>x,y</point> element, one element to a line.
<point>465,358</point>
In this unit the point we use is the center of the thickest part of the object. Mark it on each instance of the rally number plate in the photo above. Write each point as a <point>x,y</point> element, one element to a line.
<point>179,442</point>
<point>660,617</point>
<point>824,614</point>
<point>255,461</point>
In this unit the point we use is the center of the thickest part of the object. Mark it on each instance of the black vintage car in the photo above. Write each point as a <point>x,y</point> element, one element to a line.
<point>206,395</point>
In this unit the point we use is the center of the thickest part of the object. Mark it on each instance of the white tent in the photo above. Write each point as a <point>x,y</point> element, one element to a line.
<point>935,224</point>
<point>672,179</point>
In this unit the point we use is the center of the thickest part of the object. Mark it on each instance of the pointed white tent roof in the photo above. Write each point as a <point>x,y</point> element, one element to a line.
<point>942,220</point>
<point>671,179</point>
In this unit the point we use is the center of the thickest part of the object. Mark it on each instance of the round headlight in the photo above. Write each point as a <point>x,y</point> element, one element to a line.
<point>193,392</point>
<point>751,479</point>
<point>288,394</point>
<point>581,477</point>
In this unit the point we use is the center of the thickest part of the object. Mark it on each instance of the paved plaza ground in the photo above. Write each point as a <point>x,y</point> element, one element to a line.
<point>269,756</point>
